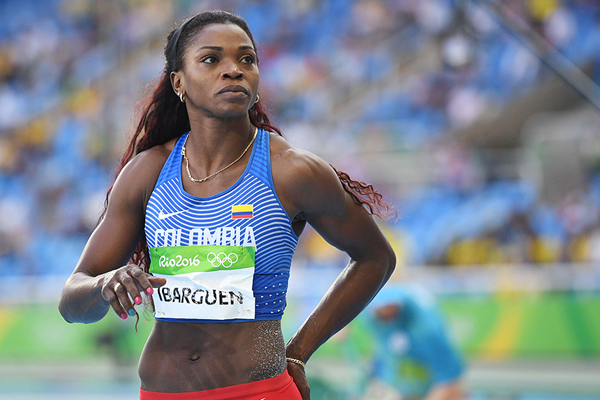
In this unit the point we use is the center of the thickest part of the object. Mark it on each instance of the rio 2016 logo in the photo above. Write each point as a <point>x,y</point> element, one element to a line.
<point>178,261</point>
<point>215,259</point>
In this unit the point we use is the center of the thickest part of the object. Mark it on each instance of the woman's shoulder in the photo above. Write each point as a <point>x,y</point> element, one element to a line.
<point>302,177</point>
<point>295,162</point>
<point>135,182</point>
<point>287,157</point>
<point>152,159</point>
<point>142,171</point>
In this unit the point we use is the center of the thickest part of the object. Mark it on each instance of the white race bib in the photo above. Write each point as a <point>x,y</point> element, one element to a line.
<point>204,282</point>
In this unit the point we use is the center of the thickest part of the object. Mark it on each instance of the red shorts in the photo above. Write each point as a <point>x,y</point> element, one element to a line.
<point>281,387</point>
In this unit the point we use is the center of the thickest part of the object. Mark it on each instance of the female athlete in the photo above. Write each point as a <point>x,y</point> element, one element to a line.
<point>204,217</point>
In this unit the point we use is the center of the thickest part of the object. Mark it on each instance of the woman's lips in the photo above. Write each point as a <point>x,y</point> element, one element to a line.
<point>237,89</point>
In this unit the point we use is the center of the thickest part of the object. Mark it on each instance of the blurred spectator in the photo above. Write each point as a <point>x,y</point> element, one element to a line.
<point>414,356</point>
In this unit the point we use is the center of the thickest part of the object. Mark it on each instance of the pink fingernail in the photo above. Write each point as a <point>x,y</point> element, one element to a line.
<point>124,316</point>
<point>149,290</point>
<point>138,300</point>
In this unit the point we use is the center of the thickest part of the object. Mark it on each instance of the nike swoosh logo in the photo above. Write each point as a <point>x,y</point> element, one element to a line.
<point>162,215</point>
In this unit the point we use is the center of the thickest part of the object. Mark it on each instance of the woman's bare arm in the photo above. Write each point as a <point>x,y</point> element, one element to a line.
<point>92,287</point>
<point>312,189</point>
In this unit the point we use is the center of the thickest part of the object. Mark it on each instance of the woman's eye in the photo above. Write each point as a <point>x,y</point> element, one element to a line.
<point>209,59</point>
<point>248,59</point>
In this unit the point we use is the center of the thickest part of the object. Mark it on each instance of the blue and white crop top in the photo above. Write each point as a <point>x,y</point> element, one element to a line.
<point>226,257</point>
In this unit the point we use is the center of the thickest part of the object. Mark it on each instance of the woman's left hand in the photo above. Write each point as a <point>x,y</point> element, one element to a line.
<point>298,374</point>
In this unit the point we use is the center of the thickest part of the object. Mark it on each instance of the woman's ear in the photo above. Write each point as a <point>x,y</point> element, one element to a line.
<point>176,83</point>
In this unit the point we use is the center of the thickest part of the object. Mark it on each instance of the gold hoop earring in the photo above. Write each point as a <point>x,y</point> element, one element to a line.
<point>182,97</point>
<point>257,99</point>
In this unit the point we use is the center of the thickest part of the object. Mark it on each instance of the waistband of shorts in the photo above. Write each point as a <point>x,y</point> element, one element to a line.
<point>225,393</point>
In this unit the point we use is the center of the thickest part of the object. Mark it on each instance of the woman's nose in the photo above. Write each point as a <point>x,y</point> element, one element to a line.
<point>231,71</point>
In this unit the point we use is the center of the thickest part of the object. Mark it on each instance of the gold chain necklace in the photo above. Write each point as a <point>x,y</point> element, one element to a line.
<point>187,162</point>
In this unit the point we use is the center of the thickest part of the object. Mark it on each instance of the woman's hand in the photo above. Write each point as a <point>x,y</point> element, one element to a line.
<point>123,287</point>
<point>298,374</point>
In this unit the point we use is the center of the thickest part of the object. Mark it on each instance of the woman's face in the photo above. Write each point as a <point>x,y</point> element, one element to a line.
<point>220,73</point>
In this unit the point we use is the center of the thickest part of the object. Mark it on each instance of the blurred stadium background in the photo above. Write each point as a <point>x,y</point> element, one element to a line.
<point>478,119</point>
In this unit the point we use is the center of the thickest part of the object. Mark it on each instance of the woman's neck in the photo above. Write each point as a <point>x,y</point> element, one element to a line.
<point>213,143</point>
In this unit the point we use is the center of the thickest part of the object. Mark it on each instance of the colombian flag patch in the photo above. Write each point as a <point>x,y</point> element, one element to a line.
<point>242,212</point>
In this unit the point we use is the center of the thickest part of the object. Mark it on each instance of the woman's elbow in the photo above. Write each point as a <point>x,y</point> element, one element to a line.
<point>73,303</point>
<point>63,308</point>
<point>389,262</point>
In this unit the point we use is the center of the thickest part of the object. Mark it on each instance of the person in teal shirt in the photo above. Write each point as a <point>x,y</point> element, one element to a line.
<point>413,353</point>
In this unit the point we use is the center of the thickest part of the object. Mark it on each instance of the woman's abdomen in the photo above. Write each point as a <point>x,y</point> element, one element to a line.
<point>187,357</point>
